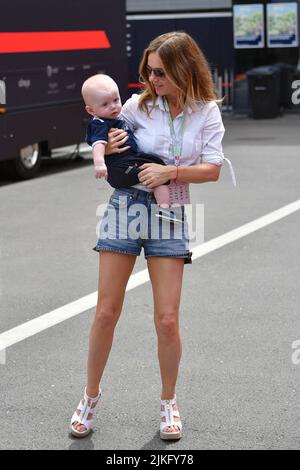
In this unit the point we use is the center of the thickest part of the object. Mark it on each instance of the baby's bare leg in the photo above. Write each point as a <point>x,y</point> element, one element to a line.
<point>162,195</point>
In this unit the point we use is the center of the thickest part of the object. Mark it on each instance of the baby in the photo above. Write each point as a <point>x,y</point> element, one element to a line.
<point>102,100</point>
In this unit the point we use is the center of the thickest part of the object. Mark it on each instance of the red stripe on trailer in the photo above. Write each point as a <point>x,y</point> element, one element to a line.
<point>52,41</point>
<point>136,85</point>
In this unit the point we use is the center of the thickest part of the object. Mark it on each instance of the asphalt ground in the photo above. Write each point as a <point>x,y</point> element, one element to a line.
<point>238,386</point>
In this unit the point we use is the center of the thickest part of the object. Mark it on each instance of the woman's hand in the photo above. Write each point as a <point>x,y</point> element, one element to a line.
<point>116,138</point>
<point>153,174</point>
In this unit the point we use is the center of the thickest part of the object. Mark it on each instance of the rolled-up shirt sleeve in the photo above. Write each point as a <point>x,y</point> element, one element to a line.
<point>212,135</point>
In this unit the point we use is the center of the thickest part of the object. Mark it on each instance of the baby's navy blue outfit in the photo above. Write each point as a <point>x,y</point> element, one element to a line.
<point>122,168</point>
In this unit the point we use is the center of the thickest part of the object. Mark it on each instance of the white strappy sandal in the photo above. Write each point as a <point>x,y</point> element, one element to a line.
<point>85,408</point>
<point>169,413</point>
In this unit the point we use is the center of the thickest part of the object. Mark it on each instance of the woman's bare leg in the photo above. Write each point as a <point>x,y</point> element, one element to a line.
<point>166,277</point>
<point>114,272</point>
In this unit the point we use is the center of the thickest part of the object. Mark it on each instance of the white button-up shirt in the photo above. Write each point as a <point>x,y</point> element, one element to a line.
<point>202,138</point>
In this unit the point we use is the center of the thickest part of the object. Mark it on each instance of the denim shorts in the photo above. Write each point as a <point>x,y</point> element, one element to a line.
<point>129,223</point>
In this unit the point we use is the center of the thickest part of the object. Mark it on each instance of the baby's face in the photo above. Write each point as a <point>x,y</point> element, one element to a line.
<point>107,105</point>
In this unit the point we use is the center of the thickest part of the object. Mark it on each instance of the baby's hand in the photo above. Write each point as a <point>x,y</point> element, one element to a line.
<point>100,170</point>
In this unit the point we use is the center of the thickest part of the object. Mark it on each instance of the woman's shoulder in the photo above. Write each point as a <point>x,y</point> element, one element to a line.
<point>132,102</point>
<point>131,111</point>
<point>208,111</point>
<point>210,105</point>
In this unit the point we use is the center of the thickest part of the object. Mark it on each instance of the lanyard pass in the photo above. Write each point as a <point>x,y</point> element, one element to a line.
<point>179,191</point>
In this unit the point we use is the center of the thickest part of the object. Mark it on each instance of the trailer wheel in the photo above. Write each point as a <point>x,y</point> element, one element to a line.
<point>28,163</point>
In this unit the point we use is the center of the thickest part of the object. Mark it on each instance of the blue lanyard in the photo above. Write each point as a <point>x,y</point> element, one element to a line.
<point>177,140</point>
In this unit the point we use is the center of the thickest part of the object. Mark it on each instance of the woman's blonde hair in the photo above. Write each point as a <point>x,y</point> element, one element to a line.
<point>184,64</point>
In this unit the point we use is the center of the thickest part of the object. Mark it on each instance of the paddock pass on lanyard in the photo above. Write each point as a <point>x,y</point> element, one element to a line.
<point>179,191</point>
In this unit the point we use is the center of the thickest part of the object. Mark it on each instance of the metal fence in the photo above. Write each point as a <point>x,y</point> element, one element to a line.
<point>224,81</point>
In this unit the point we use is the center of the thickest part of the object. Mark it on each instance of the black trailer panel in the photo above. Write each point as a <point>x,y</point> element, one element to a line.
<point>58,127</point>
<point>43,99</point>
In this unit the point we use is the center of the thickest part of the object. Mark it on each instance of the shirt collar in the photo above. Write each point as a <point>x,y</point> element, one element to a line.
<point>160,103</point>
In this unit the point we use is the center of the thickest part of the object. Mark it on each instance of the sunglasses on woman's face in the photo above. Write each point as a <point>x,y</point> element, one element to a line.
<point>159,73</point>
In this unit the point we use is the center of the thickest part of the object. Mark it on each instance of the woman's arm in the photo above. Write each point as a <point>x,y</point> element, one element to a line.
<point>153,175</point>
<point>211,157</point>
<point>201,173</point>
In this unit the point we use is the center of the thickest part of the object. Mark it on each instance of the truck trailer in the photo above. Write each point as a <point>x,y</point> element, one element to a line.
<point>47,50</point>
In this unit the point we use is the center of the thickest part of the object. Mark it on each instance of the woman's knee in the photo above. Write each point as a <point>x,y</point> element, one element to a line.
<point>167,323</point>
<point>107,315</point>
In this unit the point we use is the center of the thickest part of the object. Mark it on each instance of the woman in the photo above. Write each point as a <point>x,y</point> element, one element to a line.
<point>178,106</point>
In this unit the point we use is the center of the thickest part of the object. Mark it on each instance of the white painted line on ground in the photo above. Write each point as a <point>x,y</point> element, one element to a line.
<point>3,357</point>
<point>37,325</point>
<point>246,229</point>
<point>32,327</point>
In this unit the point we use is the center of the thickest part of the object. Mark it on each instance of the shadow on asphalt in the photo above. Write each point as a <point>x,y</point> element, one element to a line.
<point>81,444</point>
<point>156,443</point>
<point>87,444</point>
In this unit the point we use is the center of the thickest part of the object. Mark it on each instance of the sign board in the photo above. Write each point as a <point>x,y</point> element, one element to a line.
<point>282,20</point>
<point>248,21</point>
